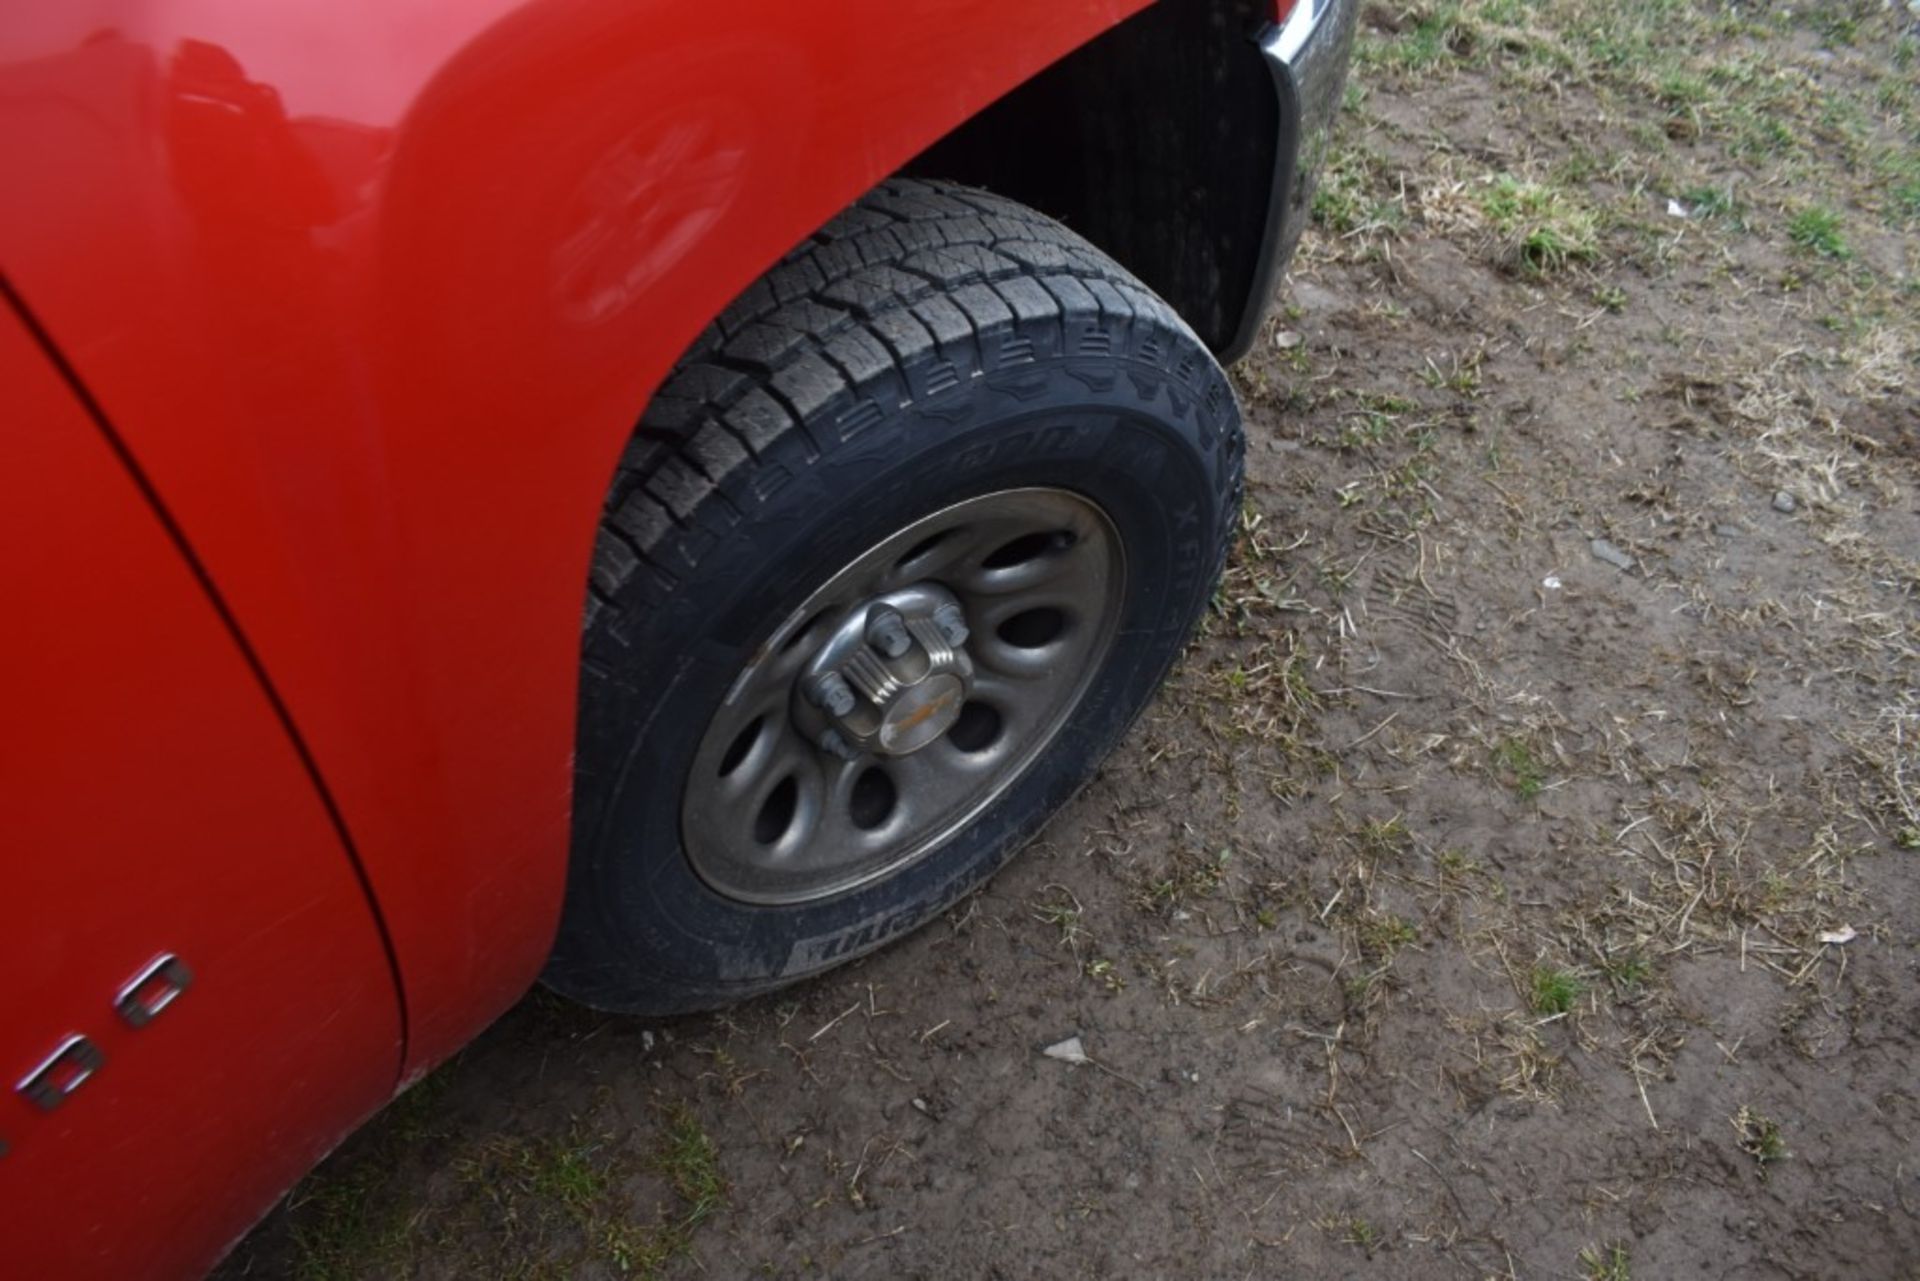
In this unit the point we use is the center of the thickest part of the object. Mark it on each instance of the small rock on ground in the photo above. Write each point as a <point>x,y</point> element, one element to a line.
<point>1067,1051</point>
<point>1611,554</point>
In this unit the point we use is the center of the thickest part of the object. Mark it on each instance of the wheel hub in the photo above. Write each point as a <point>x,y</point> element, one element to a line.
<point>891,679</point>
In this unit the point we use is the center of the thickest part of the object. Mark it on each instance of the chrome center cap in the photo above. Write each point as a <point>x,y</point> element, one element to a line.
<point>921,714</point>
<point>891,679</point>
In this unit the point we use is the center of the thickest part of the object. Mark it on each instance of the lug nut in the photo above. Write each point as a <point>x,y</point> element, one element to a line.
<point>834,745</point>
<point>952,624</point>
<point>830,692</point>
<point>887,632</point>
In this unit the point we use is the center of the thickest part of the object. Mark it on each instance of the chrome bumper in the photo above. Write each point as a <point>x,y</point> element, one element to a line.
<point>1308,56</point>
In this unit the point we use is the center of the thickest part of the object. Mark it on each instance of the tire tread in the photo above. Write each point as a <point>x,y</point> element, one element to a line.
<point>913,265</point>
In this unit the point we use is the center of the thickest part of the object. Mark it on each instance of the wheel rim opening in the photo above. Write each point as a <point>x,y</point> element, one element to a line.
<point>803,631</point>
<point>873,799</point>
<point>742,744</point>
<point>1028,547</point>
<point>924,546</point>
<point>1033,628</point>
<point>777,811</point>
<point>976,729</point>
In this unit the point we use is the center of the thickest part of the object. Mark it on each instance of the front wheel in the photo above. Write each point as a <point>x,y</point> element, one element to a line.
<point>900,550</point>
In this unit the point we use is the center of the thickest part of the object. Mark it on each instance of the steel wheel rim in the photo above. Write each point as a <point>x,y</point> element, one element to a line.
<point>769,817</point>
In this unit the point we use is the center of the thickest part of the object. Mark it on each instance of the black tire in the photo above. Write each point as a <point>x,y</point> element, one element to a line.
<point>931,344</point>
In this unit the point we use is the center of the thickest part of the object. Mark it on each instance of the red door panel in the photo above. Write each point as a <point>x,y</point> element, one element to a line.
<point>151,804</point>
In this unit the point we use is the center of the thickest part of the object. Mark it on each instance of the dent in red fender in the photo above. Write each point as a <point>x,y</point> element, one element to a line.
<point>375,291</point>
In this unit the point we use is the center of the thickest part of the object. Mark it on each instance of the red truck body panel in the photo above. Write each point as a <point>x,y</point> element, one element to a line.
<point>373,293</point>
<point>151,805</point>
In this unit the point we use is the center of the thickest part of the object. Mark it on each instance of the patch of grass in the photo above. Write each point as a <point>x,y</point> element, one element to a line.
<point>1513,758</point>
<point>1553,990</point>
<point>1835,25</point>
<point>1337,202</point>
<point>556,1204</point>
<point>1628,974</point>
<point>1843,119</point>
<point>1906,198</point>
<point>1384,402</point>
<point>1364,430</point>
<point>348,1220</point>
<point>686,1155</point>
<point>1894,97</point>
<point>727,1071</point>
<point>1382,935</point>
<point>1541,227</point>
<point>1434,38</point>
<point>1364,991</point>
<point>540,1189</point>
<point>345,1224</point>
<point>1760,1137</point>
<point>1818,229</point>
<point>1190,875</point>
<point>691,1163</point>
<point>641,1250</point>
<point>1351,200</point>
<point>1606,1263</point>
<point>1899,174</point>
<point>1462,377</point>
<point>1711,203</point>
<point>1384,838</point>
<point>566,1173</point>
<point>1682,89</point>
<point>1063,914</point>
<point>1760,134</point>
<point>1102,971</point>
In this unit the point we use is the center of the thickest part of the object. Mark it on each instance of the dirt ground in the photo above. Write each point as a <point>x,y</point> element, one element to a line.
<point>1521,875</point>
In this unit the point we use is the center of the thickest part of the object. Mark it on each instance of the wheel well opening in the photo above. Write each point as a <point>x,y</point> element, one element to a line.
<point>1157,141</point>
